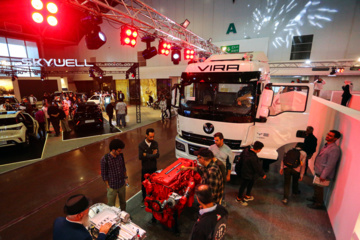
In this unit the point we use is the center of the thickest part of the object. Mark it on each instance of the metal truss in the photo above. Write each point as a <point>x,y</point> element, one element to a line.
<point>147,20</point>
<point>317,64</point>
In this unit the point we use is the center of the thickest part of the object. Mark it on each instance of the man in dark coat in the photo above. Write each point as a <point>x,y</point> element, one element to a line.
<point>250,171</point>
<point>110,112</point>
<point>148,154</point>
<point>213,217</point>
<point>310,143</point>
<point>54,113</point>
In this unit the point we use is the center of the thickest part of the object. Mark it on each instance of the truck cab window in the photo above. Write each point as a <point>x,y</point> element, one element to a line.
<point>288,99</point>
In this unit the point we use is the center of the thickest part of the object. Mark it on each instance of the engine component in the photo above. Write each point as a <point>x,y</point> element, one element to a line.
<point>170,191</point>
<point>101,213</point>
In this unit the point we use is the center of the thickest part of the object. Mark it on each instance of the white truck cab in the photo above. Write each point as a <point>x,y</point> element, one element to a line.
<point>232,94</point>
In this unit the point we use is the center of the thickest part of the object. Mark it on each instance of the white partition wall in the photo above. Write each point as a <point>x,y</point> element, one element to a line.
<point>342,197</point>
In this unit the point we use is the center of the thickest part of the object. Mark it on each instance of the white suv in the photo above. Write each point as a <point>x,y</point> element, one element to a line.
<point>17,127</point>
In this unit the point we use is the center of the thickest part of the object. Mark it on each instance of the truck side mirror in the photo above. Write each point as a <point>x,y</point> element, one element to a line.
<point>265,102</point>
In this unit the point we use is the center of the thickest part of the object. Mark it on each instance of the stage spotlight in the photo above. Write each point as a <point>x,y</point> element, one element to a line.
<point>131,70</point>
<point>189,54</point>
<point>37,4</point>
<point>185,24</point>
<point>340,70</point>
<point>128,36</point>
<point>95,38</point>
<point>164,47</point>
<point>43,75</point>
<point>176,55</point>
<point>91,72</point>
<point>14,77</point>
<point>48,13</point>
<point>149,52</point>
<point>333,71</point>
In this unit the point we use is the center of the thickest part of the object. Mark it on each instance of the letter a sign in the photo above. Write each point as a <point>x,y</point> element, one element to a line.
<point>231,28</point>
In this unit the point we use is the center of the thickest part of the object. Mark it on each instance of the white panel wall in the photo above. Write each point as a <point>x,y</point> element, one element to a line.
<point>342,197</point>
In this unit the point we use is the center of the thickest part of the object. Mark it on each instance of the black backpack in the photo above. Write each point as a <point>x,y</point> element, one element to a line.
<point>239,159</point>
<point>292,158</point>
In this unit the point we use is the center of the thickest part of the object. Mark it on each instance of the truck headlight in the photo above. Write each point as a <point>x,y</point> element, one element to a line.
<point>180,146</point>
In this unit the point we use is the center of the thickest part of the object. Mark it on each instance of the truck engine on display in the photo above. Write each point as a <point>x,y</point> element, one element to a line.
<point>170,191</point>
<point>122,229</point>
<point>232,94</point>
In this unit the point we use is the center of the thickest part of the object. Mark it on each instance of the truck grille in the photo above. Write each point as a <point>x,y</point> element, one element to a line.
<point>195,138</point>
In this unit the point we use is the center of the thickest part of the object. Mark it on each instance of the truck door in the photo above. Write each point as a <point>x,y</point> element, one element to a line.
<point>284,117</point>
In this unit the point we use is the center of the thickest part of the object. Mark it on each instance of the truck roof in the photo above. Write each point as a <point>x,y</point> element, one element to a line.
<point>243,56</point>
<point>225,63</point>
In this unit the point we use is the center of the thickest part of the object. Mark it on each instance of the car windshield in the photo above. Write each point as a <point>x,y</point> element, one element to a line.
<point>11,100</point>
<point>7,121</point>
<point>95,98</point>
<point>87,108</point>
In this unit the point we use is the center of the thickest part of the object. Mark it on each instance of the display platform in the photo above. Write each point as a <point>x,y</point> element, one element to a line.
<point>13,154</point>
<point>89,131</point>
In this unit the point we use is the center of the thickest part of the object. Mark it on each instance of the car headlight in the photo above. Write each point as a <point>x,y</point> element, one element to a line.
<point>180,146</point>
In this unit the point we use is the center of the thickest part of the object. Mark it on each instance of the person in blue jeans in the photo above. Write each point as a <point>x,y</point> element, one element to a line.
<point>121,111</point>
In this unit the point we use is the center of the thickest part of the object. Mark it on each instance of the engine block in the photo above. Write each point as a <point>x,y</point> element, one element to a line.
<point>170,191</point>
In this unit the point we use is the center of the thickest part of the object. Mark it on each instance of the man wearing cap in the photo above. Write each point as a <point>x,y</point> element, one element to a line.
<point>73,226</point>
<point>113,172</point>
<point>210,173</point>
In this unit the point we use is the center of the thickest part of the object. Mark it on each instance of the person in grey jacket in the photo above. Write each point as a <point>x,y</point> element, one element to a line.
<point>325,166</point>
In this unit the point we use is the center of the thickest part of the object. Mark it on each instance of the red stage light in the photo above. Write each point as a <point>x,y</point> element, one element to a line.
<point>37,17</point>
<point>37,4</point>
<point>189,54</point>
<point>164,47</point>
<point>52,8</point>
<point>128,36</point>
<point>52,21</point>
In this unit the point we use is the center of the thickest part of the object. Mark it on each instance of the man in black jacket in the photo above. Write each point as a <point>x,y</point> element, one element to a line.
<point>213,217</point>
<point>250,171</point>
<point>110,112</point>
<point>148,153</point>
<point>54,113</point>
<point>310,144</point>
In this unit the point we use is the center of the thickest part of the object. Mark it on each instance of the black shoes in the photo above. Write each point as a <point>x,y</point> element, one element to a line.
<point>297,193</point>
<point>311,199</point>
<point>316,206</point>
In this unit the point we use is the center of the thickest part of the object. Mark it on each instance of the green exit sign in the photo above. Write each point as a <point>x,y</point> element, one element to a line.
<point>231,48</point>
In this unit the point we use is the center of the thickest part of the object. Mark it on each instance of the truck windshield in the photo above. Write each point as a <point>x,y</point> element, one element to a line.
<point>220,98</point>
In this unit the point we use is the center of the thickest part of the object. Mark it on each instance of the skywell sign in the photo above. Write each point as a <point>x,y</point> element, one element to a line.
<point>52,62</point>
